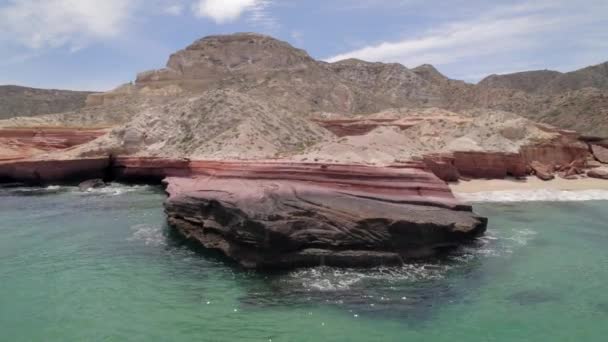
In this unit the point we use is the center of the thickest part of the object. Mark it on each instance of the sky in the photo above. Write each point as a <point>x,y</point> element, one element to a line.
<point>98,45</point>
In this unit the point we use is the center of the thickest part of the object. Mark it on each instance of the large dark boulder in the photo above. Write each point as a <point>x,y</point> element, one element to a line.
<point>293,215</point>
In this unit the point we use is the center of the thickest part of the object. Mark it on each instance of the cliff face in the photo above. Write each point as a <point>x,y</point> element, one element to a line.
<point>22,101</point>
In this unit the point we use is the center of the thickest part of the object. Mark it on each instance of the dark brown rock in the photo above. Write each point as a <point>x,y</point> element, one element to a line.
<point>280,215</point>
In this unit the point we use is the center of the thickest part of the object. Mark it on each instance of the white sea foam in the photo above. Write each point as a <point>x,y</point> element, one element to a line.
<point>150,235</point>
<point>533,196</point>
<point>495,244</point>
<point>116,189</point>
<point>335,279</point>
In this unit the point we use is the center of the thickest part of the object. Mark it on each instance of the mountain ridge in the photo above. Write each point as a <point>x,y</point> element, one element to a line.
<point>26,101</point>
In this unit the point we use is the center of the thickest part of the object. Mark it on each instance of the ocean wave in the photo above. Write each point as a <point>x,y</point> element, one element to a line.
<point>543,195</point>
<point>494,244</point>
<point>116,189</point>
<point>337,279</point>
<point>150,235</point>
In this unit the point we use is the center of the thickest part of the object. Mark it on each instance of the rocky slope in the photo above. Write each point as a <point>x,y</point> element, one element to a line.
<point>575,100</point>
<point>23,101</point>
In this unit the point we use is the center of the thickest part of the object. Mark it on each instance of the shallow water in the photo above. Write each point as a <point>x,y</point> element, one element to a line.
<point>102,266</point>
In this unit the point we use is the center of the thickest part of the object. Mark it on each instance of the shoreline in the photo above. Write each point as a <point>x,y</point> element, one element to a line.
<point>528,184</point>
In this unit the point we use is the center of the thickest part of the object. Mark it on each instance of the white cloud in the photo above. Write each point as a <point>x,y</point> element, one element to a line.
<point>223,11</point>
<point>40,24</point>
<point>174,9</point>
<point>502,31</point>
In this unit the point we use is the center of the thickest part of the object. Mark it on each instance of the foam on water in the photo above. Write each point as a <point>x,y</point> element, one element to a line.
<point>116,189</point>
<point>533,196</point>
<point>336,279</point>
<point>150,235</point>
<point>493,244</point>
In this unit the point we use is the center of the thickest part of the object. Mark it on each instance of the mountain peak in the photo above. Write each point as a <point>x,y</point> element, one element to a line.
<point>429,73</point>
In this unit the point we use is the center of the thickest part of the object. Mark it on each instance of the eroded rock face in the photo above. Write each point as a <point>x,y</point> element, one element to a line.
<point>598,173</point>
<point>569,158</point>
<point>17,143</point>
<point>280,215</point>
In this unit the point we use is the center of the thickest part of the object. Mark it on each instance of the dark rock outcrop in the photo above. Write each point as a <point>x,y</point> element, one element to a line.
<point>281,215</point>
<point>53,171</point>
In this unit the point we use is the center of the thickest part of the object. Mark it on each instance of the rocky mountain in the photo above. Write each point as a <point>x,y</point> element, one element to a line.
<point>549,82</point>
<point>23,101</point>
<point>528,81</point>
<point>252,96</point>
<point>575,100</point>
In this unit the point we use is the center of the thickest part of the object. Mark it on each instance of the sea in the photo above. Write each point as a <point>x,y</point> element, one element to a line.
<point>102,265</point>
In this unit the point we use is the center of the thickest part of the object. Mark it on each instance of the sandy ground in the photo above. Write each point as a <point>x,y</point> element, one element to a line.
<point>531,183</point>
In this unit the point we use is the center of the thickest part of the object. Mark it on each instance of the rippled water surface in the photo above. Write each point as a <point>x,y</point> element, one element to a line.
<point>102,266</point>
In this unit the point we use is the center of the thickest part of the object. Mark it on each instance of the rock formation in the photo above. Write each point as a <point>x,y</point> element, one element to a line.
<point>292,215</point>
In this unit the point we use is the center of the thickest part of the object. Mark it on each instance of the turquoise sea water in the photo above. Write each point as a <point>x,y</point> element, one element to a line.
<point>102,266</point>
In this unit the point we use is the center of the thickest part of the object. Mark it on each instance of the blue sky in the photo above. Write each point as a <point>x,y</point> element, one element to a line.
<point>97,45</point>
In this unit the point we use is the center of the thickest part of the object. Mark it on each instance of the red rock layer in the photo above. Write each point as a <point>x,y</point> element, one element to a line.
<point>498,165</point>
<point>26,142</point>
<point>411,184</point>
<point>54,138</point>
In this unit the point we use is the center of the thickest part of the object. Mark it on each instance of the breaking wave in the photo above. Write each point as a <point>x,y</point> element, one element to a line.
<point>547,195</point>
<point>336,279</point>
<point>495,244</point>
<point>115,189</point>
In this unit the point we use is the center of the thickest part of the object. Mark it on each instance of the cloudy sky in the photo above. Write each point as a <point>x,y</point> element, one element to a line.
<point>98,44</point>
